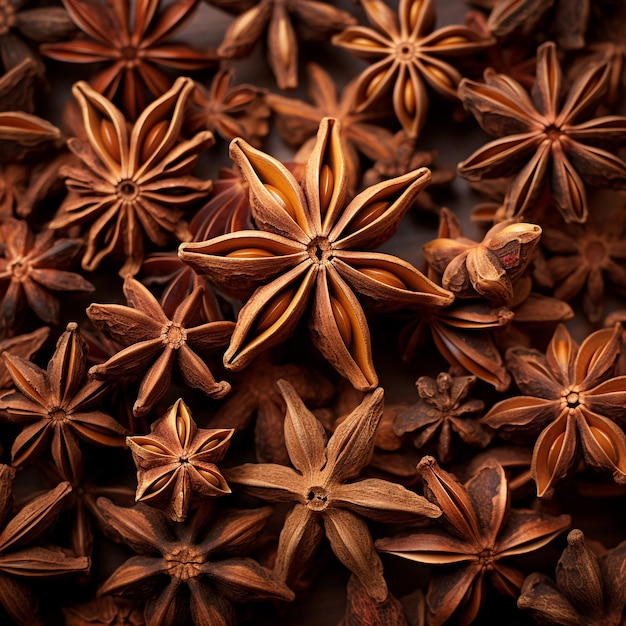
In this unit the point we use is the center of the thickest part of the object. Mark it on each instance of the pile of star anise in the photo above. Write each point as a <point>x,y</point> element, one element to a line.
<point>253,394</point>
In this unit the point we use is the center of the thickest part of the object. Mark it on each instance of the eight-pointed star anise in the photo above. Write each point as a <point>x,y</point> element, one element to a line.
<point>326,500</point>
<point>176,462</point>
<point>132,182</point>
<point>156,341</point>
<point>546,139</point>
<point>478,532</point>
<point>573,405</point>
<point>313,253</point>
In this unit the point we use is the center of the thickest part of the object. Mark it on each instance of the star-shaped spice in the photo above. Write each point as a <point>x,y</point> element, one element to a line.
<point>589,589</point>
<point>479,531</point>
<point>326,500</point>
<point>133,43</point>
<point>59,406</point>
<point>156,342</point>
<point>312,252</point>
<point>132,181</point>
<point>189,572</point>
<point>573,405</point>
<point>546,139</point>
<point>409,55</point>
<point>176,462</point>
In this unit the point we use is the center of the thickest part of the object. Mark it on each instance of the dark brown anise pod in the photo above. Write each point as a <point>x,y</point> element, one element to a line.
<point>313,252</point>
<point>325,502</point>
<point>189,572</point>
<point>589,588</point>
<point>176,462</point>
<point>156,342</point>
<point>546,138</point>
<point>479,532</point>
<point>443,408</point>
<point>573,405</point>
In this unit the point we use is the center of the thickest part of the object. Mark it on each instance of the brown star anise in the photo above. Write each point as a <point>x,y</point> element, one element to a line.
<point>132,183</point>
<point>155,342</point>
<point>33,268</point>
<point>478,532</point>
<point>573,405</point>
<point>589,588</point>
<point>105,611</point>
<point>545,139</point>
<point>326,502</point>
<point>19,559</point>
<point>189,572</point>
<point>23,346</point>
<point>313,251</point>
<point>176,462</point>
<point>409,55</point>
<point>132,41</point>
<point>443,408</point>
<point>59,406</point>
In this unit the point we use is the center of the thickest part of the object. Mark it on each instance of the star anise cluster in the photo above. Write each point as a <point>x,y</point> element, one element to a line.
<point>260,349</point>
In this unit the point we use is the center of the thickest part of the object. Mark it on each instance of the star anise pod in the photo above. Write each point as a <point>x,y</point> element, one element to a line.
<point>589,589</point>
<point>156,341</point>
<point>105,611</point>
<point>546,139</point>
<point>132,183</point>
<point>176,462</point>
<point>24,346</point>
<point>33,268</point>
<point>133,44</point>
<point>409,55</point>
<point>20,559</point>
<point>313,251</point>
<point>326,501</point>
<point>363,610</point>
<point>59,406</point>
<point>573,405</point>
<point>287,24</point>
<point>189,572</point>
<point>443,408</point>
<point>479,532</point>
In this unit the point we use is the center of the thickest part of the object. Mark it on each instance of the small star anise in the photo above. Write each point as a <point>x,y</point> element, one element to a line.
<point>155,342</point>
<point>176,462</point>
<point>479,531</point>
<point>322,492</point>
<point>313,252</point>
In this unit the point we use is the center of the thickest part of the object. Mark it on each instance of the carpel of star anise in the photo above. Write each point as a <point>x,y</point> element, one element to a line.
<point>105,611</point>
<point>176,462</point>
<point>156,341</point>
<point>478,532</point>
<point>24,346</point>
<point>589,587</point>
<point>546,139</point>
<point>325,500</point>
<point>313,252</point>
<point>132,182</point>
<point>443,408</point>
<point>573,405</point>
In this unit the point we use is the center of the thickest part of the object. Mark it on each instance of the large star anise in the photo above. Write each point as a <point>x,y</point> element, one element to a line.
<point>545,139</point>
<point>479,532</point>
<point>132,183</point>
<point>326,501</point>
<point>409,55</point>
<point>189,572</point>
<point>573,405</point>
<point>311,253</point>
<point>131,49</point>
<point>156,341</point>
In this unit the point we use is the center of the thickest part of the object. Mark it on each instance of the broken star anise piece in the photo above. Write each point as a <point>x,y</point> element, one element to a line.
<point>326,501</point>
<point>176,462</point>
<point>312,253</point>
<point>133,182</point>
<point>479,532</point>
<point>155,342</point>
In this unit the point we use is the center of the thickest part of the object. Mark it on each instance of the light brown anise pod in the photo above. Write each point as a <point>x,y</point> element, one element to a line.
<point>313,252</point>
<point>176,462</point>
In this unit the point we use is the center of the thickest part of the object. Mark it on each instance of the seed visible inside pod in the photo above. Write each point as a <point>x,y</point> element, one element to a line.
<point>282,199</point>
<point>453,40</point>
<point>367,215</point>
<point>150,447</point>
<point>374,84</point>
<point>605,443</point>
<point>209,477</point>
<point>181,429</point>
<point>109,139</point>
<point>361,41</point>
<point>383,276</point>
<point>414,11</point>
<point>209,445</point>
<point>274,309</point>
<point>153,139</point>
<point>441,77</point>
<point>343,321</point>
<point>159,483</point>
<point>555,450</point>
<point>409,97</point>
<point>249,253</point>
<point>327,183</point>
